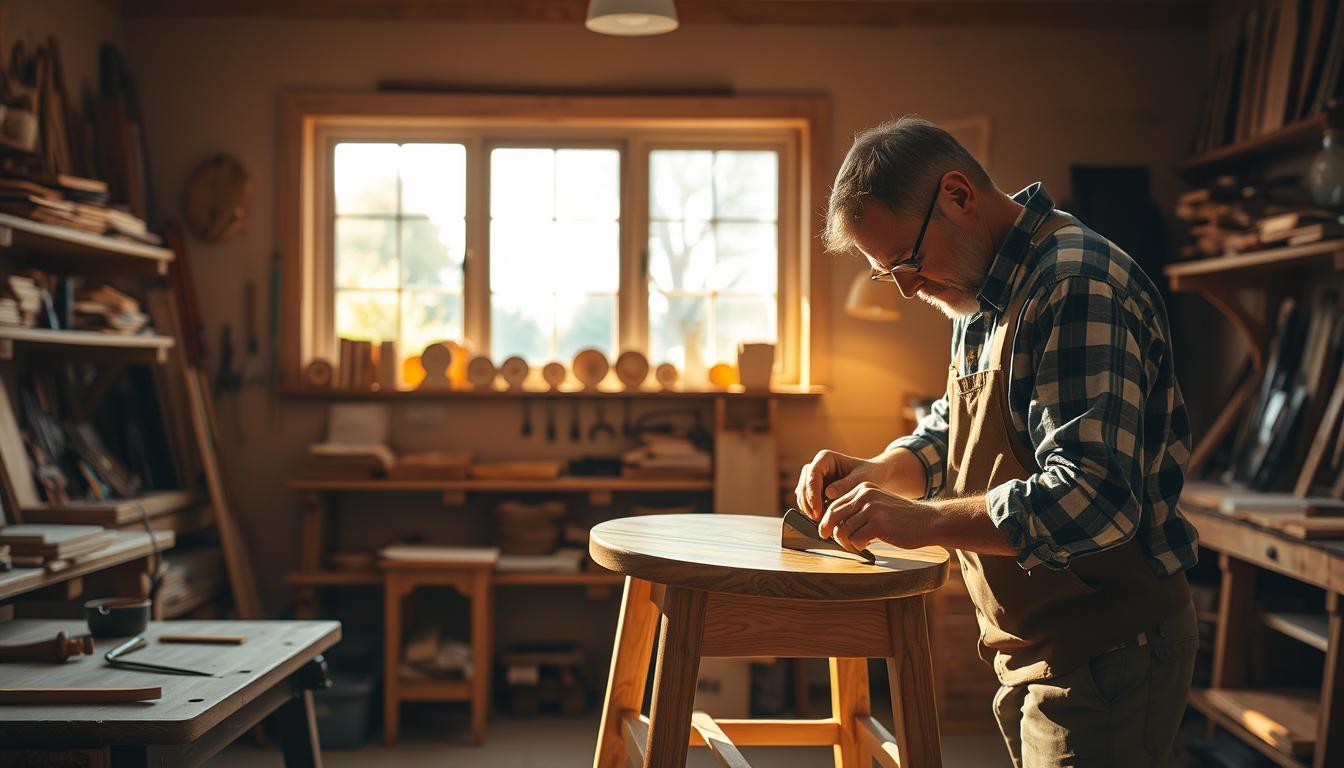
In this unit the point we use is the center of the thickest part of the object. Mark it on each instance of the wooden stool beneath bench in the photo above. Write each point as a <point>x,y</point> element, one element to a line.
<point>723,587</point>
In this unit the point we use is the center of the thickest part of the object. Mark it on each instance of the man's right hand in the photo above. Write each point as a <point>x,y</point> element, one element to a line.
<point>830,475</point>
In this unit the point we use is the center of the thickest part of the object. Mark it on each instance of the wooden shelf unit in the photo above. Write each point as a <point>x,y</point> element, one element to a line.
<point>499,579</point>
<point>1294,137</point>
<point>565,484</point>
<point>1328,254</point>
<point>314,393</point>
<point>59,248</point>
<point>127,547</point>
<point>1200,701</point>
<point>153,344</point>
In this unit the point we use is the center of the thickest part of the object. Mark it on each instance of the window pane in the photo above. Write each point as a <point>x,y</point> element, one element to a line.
<point>432,254</point>
<point>522,184</point>
<point>746,185</point>
<point>588,254</point>
<point>677,323</point>
<point>680,184</point>
<point>588,321</point>
<point>366,178</point>
<point>523,257</point>
<point>370,315</point>
<point>748,258</point>
<point>681,255</point>
<point>520,324</point>
<point>366,253</point>
<point>427,317</point>
<point>434,180</point>
<point>588,184</point>
<point>741,318</point>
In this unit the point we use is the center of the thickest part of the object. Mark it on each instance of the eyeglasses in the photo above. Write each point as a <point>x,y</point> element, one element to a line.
<point>913,264</point>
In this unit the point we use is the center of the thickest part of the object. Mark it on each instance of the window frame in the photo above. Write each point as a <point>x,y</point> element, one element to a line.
<point>312,124</point>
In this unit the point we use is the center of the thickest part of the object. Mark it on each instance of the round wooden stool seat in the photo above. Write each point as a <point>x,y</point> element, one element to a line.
<point>741,554</point>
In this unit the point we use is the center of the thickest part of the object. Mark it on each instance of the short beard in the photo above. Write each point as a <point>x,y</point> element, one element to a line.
<point>959,296</point>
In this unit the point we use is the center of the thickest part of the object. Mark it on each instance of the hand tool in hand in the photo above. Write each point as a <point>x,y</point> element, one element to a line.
<point>114,658</point>
<point>799,533</point>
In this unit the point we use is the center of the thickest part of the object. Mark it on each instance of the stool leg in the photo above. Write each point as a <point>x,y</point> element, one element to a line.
<point>629,669</point>
<point>849,701</point>
<point>675,677</point>
<point>910,671</point>
<point>482,619</point>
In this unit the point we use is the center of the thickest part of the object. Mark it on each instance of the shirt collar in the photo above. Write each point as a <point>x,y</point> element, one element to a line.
<point>1013,253</point>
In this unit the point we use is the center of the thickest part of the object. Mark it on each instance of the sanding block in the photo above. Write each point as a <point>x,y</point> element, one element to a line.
<point>800,534</point>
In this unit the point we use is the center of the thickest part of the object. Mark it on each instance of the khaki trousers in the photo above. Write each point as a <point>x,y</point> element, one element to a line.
<point>1121,709</point>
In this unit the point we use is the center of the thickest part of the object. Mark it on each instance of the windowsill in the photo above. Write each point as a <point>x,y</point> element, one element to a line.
<point>296,392</point>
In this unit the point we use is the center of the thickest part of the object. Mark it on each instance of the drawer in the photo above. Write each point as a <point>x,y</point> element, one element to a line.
<point>1264,549</point>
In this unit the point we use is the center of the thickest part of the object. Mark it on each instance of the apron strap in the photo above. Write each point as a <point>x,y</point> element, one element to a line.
<point>1007,324</point>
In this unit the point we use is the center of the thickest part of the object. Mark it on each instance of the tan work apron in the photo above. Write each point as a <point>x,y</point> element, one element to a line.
<point>1044,622</point>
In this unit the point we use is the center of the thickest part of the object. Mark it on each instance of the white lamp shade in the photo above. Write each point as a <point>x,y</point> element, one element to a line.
<point>871,300</point>
<point>632,18</point>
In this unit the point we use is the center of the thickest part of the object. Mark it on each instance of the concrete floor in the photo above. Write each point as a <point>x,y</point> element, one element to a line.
<point>560,742</point>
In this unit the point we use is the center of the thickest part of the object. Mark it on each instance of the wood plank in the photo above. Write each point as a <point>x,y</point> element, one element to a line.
<point>190,705</point>
<point>1285,720</point>
<point>1200,701</point>
<point>87,339</point>
<point>1308,628</point>
<point>78,695</point>
<point>723,749</point>
<point>741,554</point>
<point>123,547</point>
<point>738,626</point>
<point>111,513</point>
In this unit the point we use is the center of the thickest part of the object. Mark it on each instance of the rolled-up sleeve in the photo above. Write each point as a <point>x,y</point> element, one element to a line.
<point>1084,421</point>
<point>929,444</point>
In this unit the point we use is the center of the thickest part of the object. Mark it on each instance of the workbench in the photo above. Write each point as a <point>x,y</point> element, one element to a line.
<point>1242,549</point>
<point>269,677</point>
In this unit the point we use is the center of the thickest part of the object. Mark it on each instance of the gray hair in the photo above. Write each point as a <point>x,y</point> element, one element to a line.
<point>896,163</point>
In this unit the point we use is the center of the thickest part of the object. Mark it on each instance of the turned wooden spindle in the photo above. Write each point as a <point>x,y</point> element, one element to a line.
<point>59,648</point>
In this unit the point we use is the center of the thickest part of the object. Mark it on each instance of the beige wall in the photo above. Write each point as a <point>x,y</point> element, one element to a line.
<point>1053,97</point>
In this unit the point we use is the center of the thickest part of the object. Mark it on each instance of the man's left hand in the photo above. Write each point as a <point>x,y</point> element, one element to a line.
<point>867,513</point>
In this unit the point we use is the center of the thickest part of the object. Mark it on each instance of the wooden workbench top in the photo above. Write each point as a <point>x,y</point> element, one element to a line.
<point>190,705</point>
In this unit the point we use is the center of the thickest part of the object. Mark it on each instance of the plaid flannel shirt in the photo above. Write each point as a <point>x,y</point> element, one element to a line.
<point>1092,391</point>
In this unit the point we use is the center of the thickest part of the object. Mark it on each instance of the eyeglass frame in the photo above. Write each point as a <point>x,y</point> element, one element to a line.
<point>913,264</point>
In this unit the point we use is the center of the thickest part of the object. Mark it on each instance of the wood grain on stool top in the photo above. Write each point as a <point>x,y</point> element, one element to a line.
<point>741,554</point>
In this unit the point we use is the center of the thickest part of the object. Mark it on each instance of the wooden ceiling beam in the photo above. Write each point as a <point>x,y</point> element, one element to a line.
<point>1127,14</point>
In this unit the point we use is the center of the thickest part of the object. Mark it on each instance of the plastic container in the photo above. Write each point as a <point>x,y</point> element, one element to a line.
<point>343,710</point>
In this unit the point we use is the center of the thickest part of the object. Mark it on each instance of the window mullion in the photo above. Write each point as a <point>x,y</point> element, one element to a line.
<point>476,265</point>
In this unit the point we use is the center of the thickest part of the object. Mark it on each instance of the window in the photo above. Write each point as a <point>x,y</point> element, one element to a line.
<point>554,252</point>
<point>400,242</point>
<point>523,232</point>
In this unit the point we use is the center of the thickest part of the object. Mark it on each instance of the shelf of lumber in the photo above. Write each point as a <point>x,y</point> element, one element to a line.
<point>112,513</point>
<point>125,547</point>
<point>62,248</point>
<point>313,393</point>
<point>155,345</point>
<point>1295,137</point>
<point>560,484</point>
<point>1199,699</point>
<point>1188,274</point>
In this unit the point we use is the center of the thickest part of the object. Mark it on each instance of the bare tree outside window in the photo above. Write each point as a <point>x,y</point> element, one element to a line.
<point>713,254</point>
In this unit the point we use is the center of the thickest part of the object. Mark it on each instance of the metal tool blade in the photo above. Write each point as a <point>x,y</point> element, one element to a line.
<point>800,534</point>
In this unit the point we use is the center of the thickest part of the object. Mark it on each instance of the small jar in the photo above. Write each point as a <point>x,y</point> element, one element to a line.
<point>1326,177</point>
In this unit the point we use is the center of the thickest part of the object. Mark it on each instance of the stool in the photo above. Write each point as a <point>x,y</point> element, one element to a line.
<point>473,581</point>
<point>724,588</point>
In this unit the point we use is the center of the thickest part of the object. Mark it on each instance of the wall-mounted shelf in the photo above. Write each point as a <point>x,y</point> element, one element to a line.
<point>63,249</point>
<point>1328,254</point>
<point>1312,629</point>
<point>560,484</point>
<point>125,546</point>
<point>313,393</point>
<point>499,578</point>
<point>144,344</point>
<point>1295,137</point>
<point>111,513</point>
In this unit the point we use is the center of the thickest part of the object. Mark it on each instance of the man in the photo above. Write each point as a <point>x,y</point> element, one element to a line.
<point>1053,463</point>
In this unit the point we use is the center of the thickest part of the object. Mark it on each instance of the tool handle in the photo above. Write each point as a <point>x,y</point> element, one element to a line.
<point>210,639</point>
<point>58,648</point>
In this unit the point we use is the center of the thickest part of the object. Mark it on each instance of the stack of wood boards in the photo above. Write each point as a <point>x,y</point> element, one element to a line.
<point>1299,517</point>
<point>53,547</point>
<point>71,201</point>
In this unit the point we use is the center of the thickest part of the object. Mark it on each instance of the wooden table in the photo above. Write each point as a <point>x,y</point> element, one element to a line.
<point>1242,549</point>
<point>721,586</point>
<point>270,675</point>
